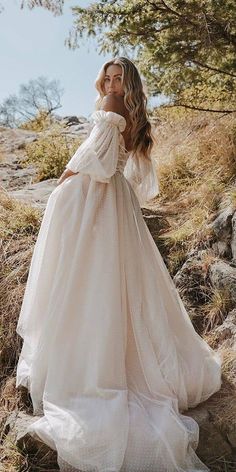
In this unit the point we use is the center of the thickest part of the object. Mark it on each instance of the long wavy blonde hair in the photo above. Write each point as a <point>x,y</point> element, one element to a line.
<point>135,101</point>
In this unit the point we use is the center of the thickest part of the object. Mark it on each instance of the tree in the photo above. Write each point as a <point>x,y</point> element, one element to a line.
<point>39,95</point>
<point>185,48</point>
<point>56,6</point>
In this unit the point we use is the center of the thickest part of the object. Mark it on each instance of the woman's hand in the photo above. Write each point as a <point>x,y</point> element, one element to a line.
<point>67,173</point>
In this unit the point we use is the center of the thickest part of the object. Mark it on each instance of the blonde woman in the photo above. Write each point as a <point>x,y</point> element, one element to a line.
<point>110,356</point>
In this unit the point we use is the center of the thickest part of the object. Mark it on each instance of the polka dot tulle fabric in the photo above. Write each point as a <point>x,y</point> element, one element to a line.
<point>109,354</point>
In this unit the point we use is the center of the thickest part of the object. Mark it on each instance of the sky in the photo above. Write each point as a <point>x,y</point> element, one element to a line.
<point>32,45</point>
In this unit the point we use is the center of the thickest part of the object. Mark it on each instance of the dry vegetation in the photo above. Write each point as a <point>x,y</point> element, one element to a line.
<point>19,224</point>
<point>42,121</point>
<point>18,229</point>
<point>196,155</point>
<point>196,165</point>
<point>51,152</point>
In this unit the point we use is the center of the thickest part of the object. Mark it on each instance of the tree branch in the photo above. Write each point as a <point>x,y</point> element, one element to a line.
<point>191,107</point>
<point>206,66</point>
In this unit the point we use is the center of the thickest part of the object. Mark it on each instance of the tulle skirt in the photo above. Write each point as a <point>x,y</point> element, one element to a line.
<point>109,355</point>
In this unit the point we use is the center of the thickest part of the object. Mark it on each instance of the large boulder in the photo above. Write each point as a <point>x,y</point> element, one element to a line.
<point>223,277</point>
<point>36,194</point>
<point>212,443</point>
<point>223,232</point>
<point>233,239</point>
<point>225,334</point>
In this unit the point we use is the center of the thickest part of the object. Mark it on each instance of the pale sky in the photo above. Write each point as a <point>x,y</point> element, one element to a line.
<point>32,44</point>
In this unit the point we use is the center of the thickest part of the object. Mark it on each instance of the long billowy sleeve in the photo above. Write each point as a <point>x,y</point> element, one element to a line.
<point>142,176</point>
<point>97,156</point>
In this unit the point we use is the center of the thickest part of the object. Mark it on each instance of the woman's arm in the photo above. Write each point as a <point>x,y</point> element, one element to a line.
<point>67,173</point>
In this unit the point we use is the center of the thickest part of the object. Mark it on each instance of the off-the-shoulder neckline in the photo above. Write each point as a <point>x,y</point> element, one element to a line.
<point>110,112</point>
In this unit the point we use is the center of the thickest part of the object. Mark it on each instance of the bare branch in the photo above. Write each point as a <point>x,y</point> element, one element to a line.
<point>191,107</point>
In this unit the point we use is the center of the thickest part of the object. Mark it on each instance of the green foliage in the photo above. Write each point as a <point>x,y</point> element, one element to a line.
<point>182,47</point>
<point>56,6</point>
<point>50,153</point>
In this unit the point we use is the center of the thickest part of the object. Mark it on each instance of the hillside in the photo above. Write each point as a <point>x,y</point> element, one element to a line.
<point>193,222</point>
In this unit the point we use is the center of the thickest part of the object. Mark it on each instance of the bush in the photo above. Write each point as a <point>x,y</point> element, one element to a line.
<point>40,122</point>
<point>50,153</point>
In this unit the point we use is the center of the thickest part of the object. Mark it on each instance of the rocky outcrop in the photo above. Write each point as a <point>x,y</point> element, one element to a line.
<point>15,431</point>
<point>36,194</point>
<point>212,442</point>
<point>225,334</point>
<point>12,145</point>
<point>223,230</point>
<point>212,445</point>
<point>214,267</point>
<point>223,276</point>
<point>18,180</point>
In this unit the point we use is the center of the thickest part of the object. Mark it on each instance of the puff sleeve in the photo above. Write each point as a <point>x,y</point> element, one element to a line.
<point>142,176</point>
<point>97,156</point>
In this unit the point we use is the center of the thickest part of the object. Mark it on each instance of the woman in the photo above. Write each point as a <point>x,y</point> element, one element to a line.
<point>110,356</point>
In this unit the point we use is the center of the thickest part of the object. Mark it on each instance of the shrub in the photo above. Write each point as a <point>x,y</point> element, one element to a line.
<point>50,153</point>
<point>40,122</point>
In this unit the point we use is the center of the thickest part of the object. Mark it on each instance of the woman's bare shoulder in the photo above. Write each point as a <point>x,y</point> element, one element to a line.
<point>114,103</point>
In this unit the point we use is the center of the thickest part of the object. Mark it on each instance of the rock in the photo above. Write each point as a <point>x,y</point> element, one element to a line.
<point>212,443</point>
<point>155,221</point>
<point>12,144</point>
<point>191,277</point>
<point>37,194</point>
<point>71,120</point>
<point>222,228</point>
<point>15,430</point>
<point>232,438</point>
<point>13,177</point>
<point>13,139</point>
<point>77,131</point>
<point>200,414</point>
<point>226,332</point>
<point>233,240</point>
<point>222,224</point>
<point>223,276</point>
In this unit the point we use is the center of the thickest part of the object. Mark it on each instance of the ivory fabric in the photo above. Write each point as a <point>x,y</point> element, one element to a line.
<point>110,356</point>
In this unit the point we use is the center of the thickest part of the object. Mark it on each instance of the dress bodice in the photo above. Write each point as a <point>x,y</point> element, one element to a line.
<point>103,154</point>
<point>123,156</point>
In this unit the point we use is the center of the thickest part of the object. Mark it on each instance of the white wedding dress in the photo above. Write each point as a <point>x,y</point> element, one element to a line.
<point>109,355</point>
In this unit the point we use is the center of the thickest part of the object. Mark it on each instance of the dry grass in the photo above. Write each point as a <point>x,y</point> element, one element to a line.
<point>196,159</point>
<point>222,405</point>
<point>196,165</point>
<point>222,465</point>
<point>216,309</point>
<point>17,218</point>
<point>19,224</point>
<point>11,457</point>
<point>40,122</point>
